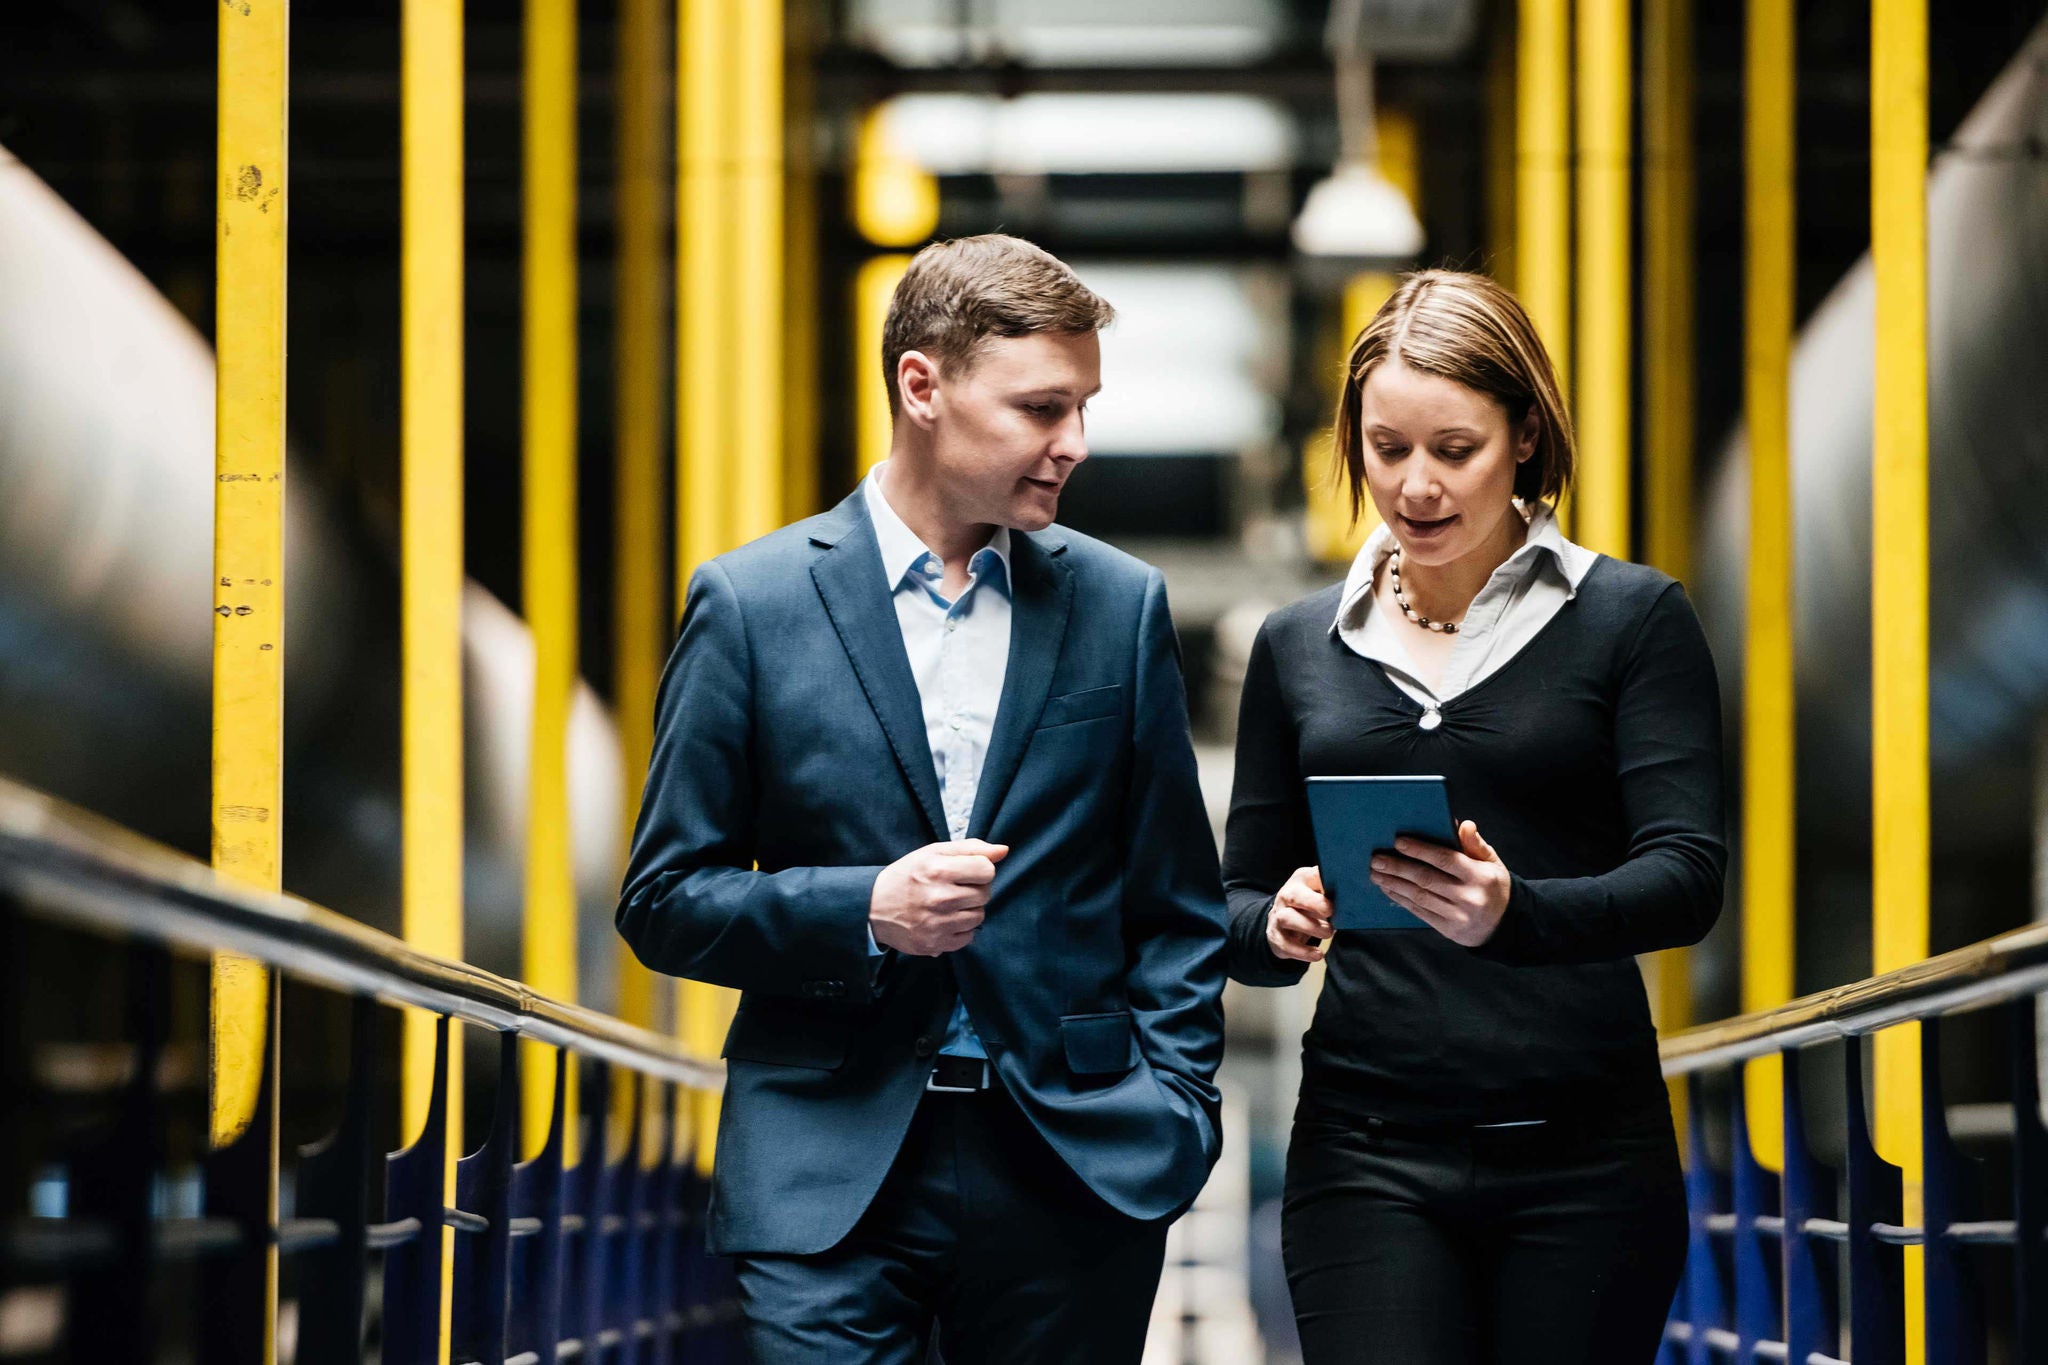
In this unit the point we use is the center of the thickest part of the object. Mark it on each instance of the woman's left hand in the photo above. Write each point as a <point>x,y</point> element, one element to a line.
<point>1459,892</point>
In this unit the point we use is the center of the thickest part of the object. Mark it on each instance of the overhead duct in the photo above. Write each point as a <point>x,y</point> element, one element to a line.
<point>106,544</point>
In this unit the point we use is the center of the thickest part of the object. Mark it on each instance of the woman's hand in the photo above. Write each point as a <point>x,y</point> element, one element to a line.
<point>1459,892</point>
<point>1300,918</point>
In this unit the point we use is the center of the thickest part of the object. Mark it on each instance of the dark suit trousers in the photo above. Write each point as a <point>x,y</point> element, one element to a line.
<point>981,1233</point>
<point>1524,1245</point>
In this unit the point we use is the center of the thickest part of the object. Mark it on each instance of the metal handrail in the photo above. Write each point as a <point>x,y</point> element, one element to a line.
<point>2001,968</point>
<point>66,864</point>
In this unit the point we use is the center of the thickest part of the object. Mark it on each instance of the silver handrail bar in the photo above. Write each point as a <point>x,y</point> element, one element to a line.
<point>2002,968</point>
<point>65,864</point>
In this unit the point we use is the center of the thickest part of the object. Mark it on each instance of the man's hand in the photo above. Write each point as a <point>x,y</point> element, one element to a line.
<point>1300,918</point>
<point>931,901</point>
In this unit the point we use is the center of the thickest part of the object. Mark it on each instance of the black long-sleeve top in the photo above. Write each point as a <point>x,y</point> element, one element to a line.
<point>1591,761</point>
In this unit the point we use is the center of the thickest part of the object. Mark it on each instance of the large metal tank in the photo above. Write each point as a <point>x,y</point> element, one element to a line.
<point>106,530</point>
<point>1988,376</point>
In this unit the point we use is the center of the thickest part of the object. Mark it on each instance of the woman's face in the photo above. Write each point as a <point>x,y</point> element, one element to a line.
<point>1439,461</point>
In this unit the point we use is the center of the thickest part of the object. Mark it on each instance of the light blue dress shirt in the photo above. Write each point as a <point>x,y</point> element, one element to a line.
<point>959,654</point>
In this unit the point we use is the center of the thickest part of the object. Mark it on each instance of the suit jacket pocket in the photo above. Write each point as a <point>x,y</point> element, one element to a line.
<point>1071,708</point>
<point>1098,1043</point>
<point>785,1037</point>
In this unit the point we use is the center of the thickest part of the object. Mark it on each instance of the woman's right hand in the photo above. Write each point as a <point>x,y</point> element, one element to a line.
<point>1300,918</point>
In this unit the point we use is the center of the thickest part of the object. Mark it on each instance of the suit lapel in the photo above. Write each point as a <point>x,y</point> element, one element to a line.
<point>849,578</point>
<point>1041,594</point>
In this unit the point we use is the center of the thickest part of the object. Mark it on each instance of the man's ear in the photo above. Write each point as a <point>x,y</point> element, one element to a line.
<point>917,382</point>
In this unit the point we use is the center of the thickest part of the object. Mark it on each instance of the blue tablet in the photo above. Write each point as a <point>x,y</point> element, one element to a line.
<point>1354,817</point>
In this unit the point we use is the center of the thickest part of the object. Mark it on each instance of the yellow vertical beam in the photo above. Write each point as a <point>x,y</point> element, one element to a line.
<point>874,284</point>
<point>1601,504</point>
<point>548,561</point>
<point>248,554</point>
<point>430,403</point>
<point>640,636</point>
<point>1898,583</point>
<point>704,213</point>
<point>1543,208</point>
<point>1768,817</point>
<point>1667,368</point>
<point>800,491</point>
<point>755,457</point>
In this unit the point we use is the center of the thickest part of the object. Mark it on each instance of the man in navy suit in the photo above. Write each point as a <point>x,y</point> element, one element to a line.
<point>923,791</point>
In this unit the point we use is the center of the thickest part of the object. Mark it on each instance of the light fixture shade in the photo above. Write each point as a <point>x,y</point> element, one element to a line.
<point>1355,214</point>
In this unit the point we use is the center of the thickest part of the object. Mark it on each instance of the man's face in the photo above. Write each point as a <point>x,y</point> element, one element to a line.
<point>1007,428</point>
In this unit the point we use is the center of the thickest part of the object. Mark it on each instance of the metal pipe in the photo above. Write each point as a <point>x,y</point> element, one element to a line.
<point>1601,504</point>
<point>548,559</point>
<point>1768,813</point>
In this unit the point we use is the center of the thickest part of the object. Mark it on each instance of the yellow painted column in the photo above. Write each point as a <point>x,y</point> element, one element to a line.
<point>1668,263</point>
<point>1769,819</point>
<point>705,368</point>
<point>757,245</point>
<point>430,420</point>
<point>1501,159</point>
<point>548,561</point>
<point>248,556</point>
<point>640,634</point>
<point>1898,582</point>
<point>1601,504</point>
<point>1543,207</point>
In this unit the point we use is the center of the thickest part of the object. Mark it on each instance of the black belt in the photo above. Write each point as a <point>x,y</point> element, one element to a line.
<point>953,1075</point>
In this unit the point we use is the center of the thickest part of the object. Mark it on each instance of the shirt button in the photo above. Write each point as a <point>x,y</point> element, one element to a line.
<point>1431,719</point>
<point>951,622</point>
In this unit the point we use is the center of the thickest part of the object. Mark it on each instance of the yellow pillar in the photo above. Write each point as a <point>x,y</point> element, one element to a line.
<point>430,403</point>
<point>1601,504</point>
<point>1668,263</point>
<point>757,245</point>
<point>548,561</point>
<point>1501,160</point>
<point>248,556</point>
<point>1898,583</point>
<point>1768,814</point>
<point>640,635</point>
<point>705,372</point>
<point>1543,222</point>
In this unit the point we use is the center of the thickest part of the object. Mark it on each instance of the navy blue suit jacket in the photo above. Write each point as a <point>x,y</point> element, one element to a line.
<point>790,766</point>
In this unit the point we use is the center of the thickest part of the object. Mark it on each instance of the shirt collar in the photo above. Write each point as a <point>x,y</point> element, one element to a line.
<point>903,554</point>
<point>1545,543</point>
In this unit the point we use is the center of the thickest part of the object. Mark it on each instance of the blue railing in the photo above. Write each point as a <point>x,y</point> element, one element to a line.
<point>124,1239</point>
<point>1807,1265</point>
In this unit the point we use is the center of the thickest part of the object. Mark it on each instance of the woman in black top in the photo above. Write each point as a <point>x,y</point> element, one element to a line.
<point>1482,1167</point>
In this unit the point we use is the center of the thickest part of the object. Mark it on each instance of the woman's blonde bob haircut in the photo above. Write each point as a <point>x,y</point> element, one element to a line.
<point>1466,328</point>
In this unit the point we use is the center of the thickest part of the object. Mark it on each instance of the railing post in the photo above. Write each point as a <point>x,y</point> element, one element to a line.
<point>334,1181</point>
<point>1811,1310</point>
<point>1758,1272</point>
<point>2029,1189</point>
<point>415,1185</point>
<point>483,1186</point>
<point>536,1265</point>
<point>1955,1320</point>
<point>1877,1333</point>
<point>1706,1293</point>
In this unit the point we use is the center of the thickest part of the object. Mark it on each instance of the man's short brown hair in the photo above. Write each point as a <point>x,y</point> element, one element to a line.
<point>957,294</point>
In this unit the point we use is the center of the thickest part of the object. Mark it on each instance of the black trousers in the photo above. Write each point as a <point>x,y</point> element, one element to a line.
<point>980,1232</point>
<point>1534,1245</point>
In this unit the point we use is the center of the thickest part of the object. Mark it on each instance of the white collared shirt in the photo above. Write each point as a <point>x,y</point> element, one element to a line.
<point>1518,600</point>
<point>959,655</point>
